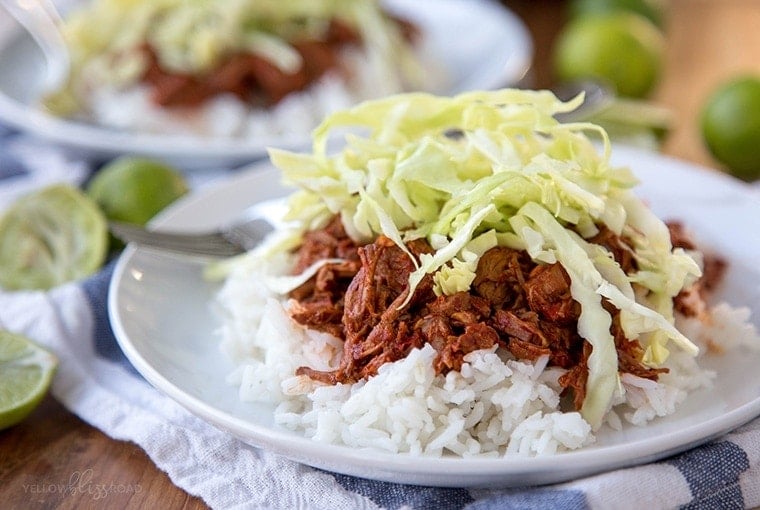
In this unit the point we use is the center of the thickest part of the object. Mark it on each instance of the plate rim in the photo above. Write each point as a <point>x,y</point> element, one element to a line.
<point>445,471</point>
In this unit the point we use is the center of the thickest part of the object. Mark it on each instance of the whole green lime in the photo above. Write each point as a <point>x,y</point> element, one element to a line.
<point>650,9</point>
<point>133,190</point>
<point>730,123</point>
<point>622,49</point>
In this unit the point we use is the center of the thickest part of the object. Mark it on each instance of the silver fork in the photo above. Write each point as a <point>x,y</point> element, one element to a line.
<point>239,236</point>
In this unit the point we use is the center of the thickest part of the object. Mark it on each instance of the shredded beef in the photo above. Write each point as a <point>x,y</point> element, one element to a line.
<point>691,300</point>
<point>574,380</point>
<point>375,325</point>
<point>455,325</point>
<point>500,276</point>
<point>254,79</point>
<point>525,307</point>
<point>319,301</point>
<point>679,237</point>
<point>548,291</point>
<point>630,353</point>
<point>247,76</point>
<point>476,336</point>
<point>619,246</point>
<point>713,271</point>
<point>330,242</point>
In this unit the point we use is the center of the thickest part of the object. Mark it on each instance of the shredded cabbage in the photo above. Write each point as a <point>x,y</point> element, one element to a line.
<point>495,168</point>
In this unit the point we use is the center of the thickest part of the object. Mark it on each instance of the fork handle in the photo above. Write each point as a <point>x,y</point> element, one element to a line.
<point>210,244</point>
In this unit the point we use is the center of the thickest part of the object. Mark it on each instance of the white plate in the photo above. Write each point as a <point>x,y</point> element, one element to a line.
<point>160,311</point>
<point>480,44</point>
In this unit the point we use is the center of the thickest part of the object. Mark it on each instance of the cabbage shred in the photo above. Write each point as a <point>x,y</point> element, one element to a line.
<point>486,169</point>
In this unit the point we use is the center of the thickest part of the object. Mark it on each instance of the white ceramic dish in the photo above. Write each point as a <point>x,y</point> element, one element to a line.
<point>480,44</point>
<point>160,311</point>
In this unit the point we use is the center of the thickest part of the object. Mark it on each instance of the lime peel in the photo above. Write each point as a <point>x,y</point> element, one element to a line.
<point>622,49</point>
<point>26,371</point>
<point>653,10</point>
<point>133,189</point>
<point>49,237</point>
<point>730,126</point>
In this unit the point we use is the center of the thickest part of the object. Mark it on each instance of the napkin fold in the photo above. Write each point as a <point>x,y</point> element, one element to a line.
<point>97,383</point>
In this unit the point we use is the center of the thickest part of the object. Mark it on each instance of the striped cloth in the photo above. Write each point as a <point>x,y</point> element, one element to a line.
<point>97,383</point>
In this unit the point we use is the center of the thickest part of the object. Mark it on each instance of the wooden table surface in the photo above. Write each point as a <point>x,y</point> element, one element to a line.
<point>707,42</point>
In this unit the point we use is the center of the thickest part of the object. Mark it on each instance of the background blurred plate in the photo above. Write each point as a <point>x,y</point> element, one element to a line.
<point>480,44</point>
<point>160,308</point>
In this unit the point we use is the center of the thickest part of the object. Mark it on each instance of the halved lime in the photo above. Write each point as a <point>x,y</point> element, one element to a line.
<point>26,371</point>
<point>50,237</point>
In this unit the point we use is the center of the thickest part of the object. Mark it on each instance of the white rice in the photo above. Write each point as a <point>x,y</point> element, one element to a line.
<point>494,406</point>
<point>227,117</point>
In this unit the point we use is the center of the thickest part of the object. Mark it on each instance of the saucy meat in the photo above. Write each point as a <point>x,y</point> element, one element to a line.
<point>522,306</point>
<point>691,300</point>
<point>252,78</point>
<point>247,76</point>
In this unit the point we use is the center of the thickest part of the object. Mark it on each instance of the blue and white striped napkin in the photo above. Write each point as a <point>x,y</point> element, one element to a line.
<point>96,382</point>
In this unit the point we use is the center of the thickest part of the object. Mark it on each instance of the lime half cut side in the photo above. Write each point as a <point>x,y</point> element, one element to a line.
<point>26,371</point>
<point>50,237</point>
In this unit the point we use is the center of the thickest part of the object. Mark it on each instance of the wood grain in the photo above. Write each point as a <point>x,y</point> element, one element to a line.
<point>544,20</point>
<point>54,460</point>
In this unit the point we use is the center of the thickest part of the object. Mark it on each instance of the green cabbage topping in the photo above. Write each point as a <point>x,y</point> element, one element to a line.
<point>495,168</point>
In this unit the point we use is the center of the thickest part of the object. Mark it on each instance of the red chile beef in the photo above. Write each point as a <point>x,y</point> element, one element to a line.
<point>522,306</point>
<point>252,78</point>
<point>375,327</point>
<point>319,301</point>
<point>248,76</point>
<point>690,301</point>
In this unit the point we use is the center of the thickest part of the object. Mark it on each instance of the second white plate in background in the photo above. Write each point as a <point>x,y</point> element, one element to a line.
<point>479,44</point>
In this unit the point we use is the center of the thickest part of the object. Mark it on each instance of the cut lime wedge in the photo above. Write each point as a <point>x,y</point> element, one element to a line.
<point>50,237</point>
<point>26,371</point>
